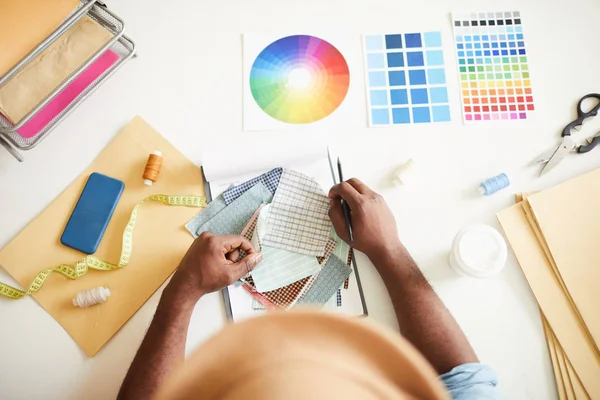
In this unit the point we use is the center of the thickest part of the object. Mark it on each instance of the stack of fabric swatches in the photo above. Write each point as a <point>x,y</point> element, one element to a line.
<point>554,235</point>
<point>285,216</point>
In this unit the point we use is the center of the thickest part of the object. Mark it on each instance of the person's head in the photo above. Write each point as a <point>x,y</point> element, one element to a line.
<point>304,355</point>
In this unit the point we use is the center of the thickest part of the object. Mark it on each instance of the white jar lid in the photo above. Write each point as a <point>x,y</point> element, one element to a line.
<point>478,251</point>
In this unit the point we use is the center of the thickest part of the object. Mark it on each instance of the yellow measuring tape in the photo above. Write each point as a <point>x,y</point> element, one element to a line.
<point>82,266</point>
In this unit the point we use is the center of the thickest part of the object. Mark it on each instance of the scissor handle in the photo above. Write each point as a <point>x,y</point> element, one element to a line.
<point>582,115</point>
<point>593,143</point>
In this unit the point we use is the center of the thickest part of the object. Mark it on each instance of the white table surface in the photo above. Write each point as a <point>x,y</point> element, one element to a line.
<point>187,83</point>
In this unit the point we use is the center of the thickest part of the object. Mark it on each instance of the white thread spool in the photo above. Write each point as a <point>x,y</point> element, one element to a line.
<point>91,297</point>
<point>405,174</point>
<point>478,251</point>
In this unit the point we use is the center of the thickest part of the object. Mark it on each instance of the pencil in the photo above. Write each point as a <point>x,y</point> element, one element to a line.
<point>345,205</point>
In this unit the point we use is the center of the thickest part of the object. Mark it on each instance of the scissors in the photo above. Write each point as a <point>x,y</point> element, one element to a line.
<point>554,156</point>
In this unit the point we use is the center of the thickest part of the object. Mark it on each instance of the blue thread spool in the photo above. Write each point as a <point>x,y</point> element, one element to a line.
<point>494,184</point>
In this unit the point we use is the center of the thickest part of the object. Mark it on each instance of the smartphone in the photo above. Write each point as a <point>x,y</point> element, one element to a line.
<point>91,214</point>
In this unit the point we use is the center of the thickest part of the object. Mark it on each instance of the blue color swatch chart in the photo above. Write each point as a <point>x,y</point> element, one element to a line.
<point>406,79</point>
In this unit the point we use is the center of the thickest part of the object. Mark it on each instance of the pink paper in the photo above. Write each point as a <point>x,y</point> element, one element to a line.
<point>70,93</point>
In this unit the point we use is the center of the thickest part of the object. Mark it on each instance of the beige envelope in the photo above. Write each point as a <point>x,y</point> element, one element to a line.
<point>159,241</point>
<point>553,301</point>
<point>26,23</point>
<point>37,79</point>
<point>563,369</point>
<point>569,217</point>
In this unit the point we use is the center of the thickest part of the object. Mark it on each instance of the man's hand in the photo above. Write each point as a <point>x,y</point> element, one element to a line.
<point>211,263</point>
<point>373,224</point>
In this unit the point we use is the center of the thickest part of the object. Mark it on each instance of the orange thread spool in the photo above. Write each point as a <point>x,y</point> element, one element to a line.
<point>153,166</point>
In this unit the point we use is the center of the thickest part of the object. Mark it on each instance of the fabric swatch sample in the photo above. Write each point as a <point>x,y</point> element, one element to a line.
<point>342,249</point>
<point>329,280</point>
<point>257,306</point>
<point>62,100</point>
<point>248,231</point>
<point>284,297</point>
<point>269,179</point>
<point>299,220</point>
<point>37,79</point>
<point>279,267</point>
<point>212,209</point>
<point>329,249</point>
<point>258,297</point>
<point>233,218</point>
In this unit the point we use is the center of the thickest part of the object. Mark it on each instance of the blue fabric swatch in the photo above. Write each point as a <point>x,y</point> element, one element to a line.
<point>232,219</point>
<point>212,209</point>
<point>330,279</point>
<point>269,179</point>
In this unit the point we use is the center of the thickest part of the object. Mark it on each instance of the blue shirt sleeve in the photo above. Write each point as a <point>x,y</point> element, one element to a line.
<point>471,381</point>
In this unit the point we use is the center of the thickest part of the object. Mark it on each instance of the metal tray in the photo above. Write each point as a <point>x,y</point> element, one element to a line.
<point>121,45</point>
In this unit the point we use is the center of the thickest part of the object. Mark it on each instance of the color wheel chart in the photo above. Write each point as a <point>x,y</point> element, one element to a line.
<point>493,67</point>
<point>299,79</point>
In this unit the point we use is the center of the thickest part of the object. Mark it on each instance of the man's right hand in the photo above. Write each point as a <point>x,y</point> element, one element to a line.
<point>373,224</point>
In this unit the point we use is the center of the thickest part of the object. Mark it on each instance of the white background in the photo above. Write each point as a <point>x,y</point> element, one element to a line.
<point>187,83</point>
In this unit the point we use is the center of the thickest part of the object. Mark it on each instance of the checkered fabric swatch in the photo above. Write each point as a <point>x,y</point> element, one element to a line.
<point>348,263</point>
<point>298,219</point>
<point>343,251</point>
<point>279,267</point>
<point>248,231</point>
<point>286,296</point>
<point>212,209</point>
<point>339,298</point>
<point>329,249</point>
<point>329,280</point>
<point>270,180</point>
<point>233,218</point>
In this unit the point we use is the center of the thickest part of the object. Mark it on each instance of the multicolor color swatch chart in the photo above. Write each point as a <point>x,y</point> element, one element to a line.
<point>299,79</point>
<point>493,67</point>
<point>406,79</point>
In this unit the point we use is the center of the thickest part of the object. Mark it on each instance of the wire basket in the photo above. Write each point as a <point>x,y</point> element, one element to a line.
<point>120,44</point>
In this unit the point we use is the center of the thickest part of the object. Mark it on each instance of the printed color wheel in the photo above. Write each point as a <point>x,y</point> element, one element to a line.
<point>299,79</point>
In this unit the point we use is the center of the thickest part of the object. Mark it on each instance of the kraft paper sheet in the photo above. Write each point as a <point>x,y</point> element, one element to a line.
<point>25,90</point>
<point>159,240</point>
<point>26,23</point>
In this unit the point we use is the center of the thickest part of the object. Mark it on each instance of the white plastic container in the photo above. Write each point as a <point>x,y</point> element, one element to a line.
<point>478,251</point>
